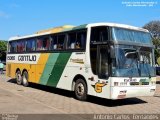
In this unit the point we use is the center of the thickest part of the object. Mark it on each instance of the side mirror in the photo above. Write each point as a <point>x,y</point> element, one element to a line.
<point>112,51</point>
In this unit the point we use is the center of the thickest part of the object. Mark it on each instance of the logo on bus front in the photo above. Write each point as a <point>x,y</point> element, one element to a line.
<point>130,80</point>
<point>98,86</point>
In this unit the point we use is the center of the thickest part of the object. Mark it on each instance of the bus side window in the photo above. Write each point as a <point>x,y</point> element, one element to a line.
<point>43,43</point>
<point>39,44</point>
<point>33,47</point>
<point>99,34</point>
<point>21,46</point>
<point>30,45</point>
<point>13,47</point>
<point>18,46</point>
<point>71,40</point>
<point>81,40</point>
<point>46,43</point>
<point>61,41</point>
<point>54,42</point>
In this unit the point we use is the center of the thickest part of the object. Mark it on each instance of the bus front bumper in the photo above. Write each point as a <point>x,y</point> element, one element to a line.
<point>132,91</point>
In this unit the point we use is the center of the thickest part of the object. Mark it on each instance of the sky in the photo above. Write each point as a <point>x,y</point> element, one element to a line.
<point>24,17</point>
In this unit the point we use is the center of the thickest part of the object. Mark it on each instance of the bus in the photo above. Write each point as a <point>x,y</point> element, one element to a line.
<point>106,60</point>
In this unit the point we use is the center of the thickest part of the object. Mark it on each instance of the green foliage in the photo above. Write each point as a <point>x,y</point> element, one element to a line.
<point>156,42</point>
<point>154,28</point>
<point>3,46</point>
<point>3,49</point>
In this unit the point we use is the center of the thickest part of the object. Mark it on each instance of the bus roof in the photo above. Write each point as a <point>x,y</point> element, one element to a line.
<point>71,27</point>
<point>118,25</point>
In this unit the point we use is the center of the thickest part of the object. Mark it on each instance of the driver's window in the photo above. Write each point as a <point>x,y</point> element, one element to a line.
<point>103,62</point>
<point>99,34</point>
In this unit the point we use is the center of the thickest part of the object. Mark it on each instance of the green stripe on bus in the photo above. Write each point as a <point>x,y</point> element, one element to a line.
<point>58,69</point>
<point>48,68</point>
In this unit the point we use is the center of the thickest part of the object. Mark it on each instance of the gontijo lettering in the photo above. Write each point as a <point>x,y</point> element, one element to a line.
<point>27,58</point>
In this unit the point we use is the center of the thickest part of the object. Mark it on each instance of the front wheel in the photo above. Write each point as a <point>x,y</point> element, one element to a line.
<point>18,77</point>
<point>80,90</point>
<point>25,79</point>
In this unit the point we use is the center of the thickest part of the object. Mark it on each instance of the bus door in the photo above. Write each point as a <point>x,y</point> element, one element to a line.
<point>103,89</point>
<point>99,58</point>
<point>102,59</point>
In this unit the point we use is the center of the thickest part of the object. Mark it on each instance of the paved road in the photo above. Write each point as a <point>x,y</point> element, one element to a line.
<point>38,99</point>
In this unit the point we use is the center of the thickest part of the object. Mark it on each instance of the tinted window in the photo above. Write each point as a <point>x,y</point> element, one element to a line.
<point>99,34</point>
<point>21,46</point>
<point>121,34</point>
<point>30,45</point>
<point>81,40</point>
<point>71,40</point>
<point>13,46</point>
<point>43,43</point>
<point>93,58</point>
<point>60,42</point>
<point>54,42</point>
<point>103,62</point>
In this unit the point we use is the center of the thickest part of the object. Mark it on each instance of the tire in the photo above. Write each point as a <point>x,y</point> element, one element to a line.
<point>80,90</point>
<point>18,78</point>
<point>25,79</point>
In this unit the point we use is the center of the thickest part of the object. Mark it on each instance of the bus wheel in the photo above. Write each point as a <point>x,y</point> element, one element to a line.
<point>18,77</point>
<point>80,90</point>
<point>25,79</point>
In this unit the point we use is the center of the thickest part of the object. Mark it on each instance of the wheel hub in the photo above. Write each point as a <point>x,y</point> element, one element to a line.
<point>19,77</point>
<point>80,89</point>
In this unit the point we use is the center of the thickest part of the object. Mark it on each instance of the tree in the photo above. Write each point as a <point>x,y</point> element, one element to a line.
<point>154,28</point>
<point>3,49</point>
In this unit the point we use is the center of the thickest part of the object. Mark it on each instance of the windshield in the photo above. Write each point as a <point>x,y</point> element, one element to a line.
<point>133,61</point>
<point>146,62</point>
<point>121,34</point>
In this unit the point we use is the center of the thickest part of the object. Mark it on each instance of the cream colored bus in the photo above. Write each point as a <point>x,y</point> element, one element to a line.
<point>106,60</point>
